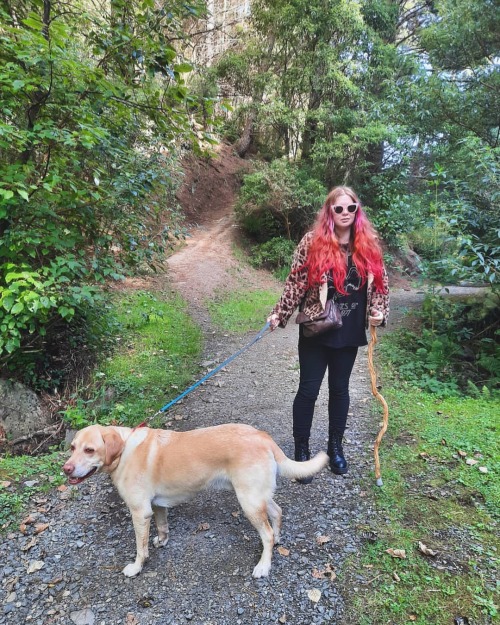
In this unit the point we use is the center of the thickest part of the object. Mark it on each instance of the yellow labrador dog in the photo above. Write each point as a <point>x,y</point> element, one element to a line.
<point>156,469</point>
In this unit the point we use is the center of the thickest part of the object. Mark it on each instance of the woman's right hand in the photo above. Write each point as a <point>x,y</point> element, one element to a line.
<point>273,321</point>
<point>376,317</point>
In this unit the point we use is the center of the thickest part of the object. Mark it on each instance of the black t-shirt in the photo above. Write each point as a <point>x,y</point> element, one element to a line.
<point>353,309</point>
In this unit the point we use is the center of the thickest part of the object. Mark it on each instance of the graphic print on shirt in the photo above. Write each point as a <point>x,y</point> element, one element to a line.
<point>352,284</point>
<point>352,279</point>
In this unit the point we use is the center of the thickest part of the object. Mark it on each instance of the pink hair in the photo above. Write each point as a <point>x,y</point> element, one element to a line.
<point>325,253</point>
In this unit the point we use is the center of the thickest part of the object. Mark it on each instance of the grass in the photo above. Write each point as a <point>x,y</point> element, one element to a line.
<point>23,476</point>
<point>156,354</point>
<point>431,495</point>
<point>158,347</point>
<point>242,311</point>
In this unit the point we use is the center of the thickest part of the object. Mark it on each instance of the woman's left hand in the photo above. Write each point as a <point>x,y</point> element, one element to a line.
<point>376,318</point>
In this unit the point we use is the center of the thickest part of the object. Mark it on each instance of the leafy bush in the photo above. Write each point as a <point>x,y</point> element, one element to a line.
<point>85,193</point>
<point>275,254</point>
<point>279,200</point>
<point>62,354</point>
<point>456,350</point>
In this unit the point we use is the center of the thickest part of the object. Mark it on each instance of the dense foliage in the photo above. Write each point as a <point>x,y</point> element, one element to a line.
<point>394,98</point>
<point>453,350</point>
<point>89,95</point>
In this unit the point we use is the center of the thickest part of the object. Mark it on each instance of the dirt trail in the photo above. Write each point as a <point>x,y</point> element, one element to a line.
<point>205,264</point>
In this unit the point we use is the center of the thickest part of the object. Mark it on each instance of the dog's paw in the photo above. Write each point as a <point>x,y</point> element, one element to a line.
<point>132,569</point>
<point>159,543</point>
<point>261,570</point>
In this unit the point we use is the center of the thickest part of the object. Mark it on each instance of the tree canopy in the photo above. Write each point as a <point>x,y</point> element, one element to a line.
<point>398,100</point>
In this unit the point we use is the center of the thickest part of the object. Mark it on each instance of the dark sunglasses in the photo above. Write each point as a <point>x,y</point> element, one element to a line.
<point>352,208</point>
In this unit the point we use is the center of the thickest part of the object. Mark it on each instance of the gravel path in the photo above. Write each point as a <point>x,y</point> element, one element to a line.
<point>203,576</point>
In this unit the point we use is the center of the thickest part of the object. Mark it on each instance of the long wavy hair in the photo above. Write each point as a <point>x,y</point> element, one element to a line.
<point>325,253</point>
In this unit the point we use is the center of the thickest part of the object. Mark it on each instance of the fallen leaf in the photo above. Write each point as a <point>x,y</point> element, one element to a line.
<point>471,462</point>
<point>28,520</point>
<point>314,595</point>
<point>36,565</point>
<point>40,527</point>
<point>235,514</point>
<point>396,553</point>
<point>425,550</point>
<point>43,510</point>
<point>282,618</point>
<point>146,601</point>
<point>62,488</point>
<point>283,551</point>
<point>483,469</point>
<point>326,573</point>
<point>443,442</point>
<point>396,577</point>
<point>5,484</point>
<point>321,540</point>
<point>203,527</point>
<point>413,617</point>
<point>131,619</point>
<point>462,453</point>
<point>31,543</point>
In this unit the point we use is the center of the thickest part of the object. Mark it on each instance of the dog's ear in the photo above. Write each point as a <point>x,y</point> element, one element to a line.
<point>113,443</point>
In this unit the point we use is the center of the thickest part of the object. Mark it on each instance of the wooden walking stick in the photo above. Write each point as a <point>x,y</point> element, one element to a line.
<point>373,377</point>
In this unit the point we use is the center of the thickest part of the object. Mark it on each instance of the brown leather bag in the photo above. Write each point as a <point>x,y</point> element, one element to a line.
<point>330,319</point>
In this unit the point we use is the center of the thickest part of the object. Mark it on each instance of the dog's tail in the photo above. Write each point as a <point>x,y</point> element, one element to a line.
<point>299,470</point>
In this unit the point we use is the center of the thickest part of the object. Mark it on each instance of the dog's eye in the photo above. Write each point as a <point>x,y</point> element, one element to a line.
<point>72,448</point>
<point>89,450</point>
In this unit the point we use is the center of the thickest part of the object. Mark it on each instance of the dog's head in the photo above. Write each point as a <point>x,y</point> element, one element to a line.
<point>93,449</point>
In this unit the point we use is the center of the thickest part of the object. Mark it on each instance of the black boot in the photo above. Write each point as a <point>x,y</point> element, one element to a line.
<point>338,463</point>
<point>302,454</point>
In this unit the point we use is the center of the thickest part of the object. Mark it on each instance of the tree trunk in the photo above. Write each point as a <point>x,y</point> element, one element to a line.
<point>311,125</point>
<point>245,141</point>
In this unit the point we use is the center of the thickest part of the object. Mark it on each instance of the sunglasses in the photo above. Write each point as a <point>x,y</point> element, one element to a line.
<point>352,208</point>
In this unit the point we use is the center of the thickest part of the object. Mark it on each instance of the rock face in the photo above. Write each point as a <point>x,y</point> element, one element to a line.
<point>21,411</point>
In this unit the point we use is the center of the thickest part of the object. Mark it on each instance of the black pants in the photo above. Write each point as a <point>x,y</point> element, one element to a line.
<point>314,360</point>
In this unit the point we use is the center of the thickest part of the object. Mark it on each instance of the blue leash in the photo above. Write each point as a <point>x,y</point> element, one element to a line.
<point>214,371</point>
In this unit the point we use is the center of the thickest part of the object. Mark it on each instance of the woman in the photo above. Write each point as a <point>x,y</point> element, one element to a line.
<point>341,257</point>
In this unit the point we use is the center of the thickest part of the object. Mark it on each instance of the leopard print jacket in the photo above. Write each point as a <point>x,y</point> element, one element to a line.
<point>312,301</point>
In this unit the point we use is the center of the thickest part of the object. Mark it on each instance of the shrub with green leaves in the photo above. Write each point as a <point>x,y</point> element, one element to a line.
<point>279,200</point>
<point>455,352</point>
<point>275,254</point>
<point>85,193</point>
